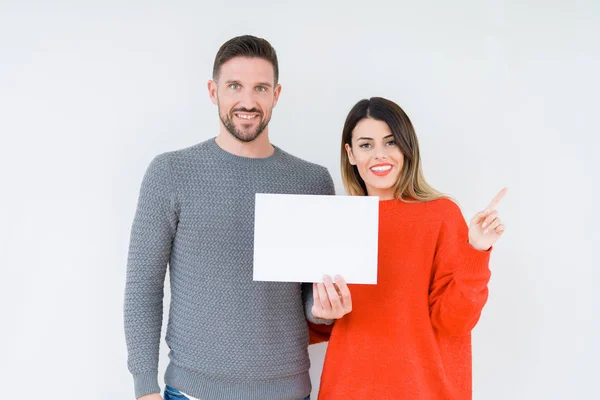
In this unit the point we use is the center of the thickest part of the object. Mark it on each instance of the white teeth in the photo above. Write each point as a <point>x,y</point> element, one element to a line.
<point>382,168</point>
<point>243,116</point>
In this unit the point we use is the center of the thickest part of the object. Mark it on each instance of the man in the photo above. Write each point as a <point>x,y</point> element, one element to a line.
<point>229,337</point>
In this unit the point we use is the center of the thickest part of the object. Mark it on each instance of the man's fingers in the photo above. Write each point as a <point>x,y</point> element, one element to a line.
<point>316,298</point>
<point>331,300</point>
<point>344,292</point>
<point>496,200</point>
<point>334,297</point>
<point>325,304</point>
<point>317,309</point>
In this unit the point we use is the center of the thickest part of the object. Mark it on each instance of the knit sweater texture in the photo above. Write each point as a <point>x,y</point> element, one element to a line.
<point>409,336</point>
<point>229,337</point>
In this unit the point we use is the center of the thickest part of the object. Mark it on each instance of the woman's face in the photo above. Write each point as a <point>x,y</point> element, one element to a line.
<point>377,156</point>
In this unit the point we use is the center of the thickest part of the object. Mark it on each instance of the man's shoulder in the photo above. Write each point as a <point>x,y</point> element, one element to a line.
<point>181,158</point>
<point>186,152</point>
<point>302,164</point>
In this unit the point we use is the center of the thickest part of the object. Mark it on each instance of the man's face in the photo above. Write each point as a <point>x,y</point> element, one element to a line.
<point>245,92</point>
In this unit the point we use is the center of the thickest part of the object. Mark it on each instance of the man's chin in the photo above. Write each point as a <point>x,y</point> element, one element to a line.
<point>246,136</point>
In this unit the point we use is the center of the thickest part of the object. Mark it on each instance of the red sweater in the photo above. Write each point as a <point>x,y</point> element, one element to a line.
<point>409,336</point>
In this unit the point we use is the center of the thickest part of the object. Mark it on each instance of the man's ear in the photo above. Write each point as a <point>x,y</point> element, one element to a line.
<point>212,91</point>
<point>276,93</point>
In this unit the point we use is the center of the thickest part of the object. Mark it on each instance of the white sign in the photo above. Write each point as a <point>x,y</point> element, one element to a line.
<point>301,238</point>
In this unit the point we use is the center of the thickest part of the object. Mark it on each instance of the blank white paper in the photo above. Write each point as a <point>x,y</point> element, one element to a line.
<point>301,238</point>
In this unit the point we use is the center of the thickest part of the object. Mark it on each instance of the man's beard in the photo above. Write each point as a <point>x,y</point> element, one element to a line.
<point>244,135</point>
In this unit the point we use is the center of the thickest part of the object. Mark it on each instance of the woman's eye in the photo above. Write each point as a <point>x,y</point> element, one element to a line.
<point>364,145</point>
<point>391,143</point>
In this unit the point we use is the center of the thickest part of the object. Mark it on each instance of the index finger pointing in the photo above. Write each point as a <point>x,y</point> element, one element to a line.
<point>496,200</point>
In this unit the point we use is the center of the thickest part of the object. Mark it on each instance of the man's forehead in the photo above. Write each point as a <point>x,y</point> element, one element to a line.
<point>247,69</point>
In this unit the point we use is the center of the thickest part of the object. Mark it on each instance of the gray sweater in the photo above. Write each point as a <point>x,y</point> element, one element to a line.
<point>229,337</point>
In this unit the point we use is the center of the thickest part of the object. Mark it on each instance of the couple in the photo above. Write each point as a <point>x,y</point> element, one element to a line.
<point>408,337</point>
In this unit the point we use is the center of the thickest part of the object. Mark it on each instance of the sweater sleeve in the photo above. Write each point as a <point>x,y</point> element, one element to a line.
<point>307,298</point>
<point>460,275</point>
<point>319,329</point>
<point>152,233</point>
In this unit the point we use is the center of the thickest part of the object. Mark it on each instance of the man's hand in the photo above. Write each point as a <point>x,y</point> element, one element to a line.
<point>331,301</point>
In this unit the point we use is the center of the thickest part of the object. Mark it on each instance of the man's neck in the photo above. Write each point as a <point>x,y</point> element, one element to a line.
<point>260,147</point>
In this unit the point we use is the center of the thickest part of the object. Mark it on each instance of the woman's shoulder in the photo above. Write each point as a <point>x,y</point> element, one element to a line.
<point>443,208</point>
<point>443,204</point>
<point>440,209</point>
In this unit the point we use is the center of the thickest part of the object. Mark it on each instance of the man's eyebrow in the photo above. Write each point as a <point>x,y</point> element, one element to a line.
<point>231,81</point>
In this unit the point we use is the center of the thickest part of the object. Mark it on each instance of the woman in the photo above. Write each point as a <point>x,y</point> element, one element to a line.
<point>409,336</point>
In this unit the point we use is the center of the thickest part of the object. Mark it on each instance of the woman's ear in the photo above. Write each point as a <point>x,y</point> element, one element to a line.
<point>350,155</point>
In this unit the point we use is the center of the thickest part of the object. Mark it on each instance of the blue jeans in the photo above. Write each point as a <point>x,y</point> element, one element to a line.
<point>174,394</point>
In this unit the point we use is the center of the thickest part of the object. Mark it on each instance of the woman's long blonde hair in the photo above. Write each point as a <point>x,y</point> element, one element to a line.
<point>411,185</point>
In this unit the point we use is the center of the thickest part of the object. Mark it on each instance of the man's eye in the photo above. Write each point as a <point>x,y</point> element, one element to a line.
<point>234,86</point>
<point>261,89</point>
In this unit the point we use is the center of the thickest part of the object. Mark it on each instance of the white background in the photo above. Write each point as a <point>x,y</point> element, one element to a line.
<point>502,93</point>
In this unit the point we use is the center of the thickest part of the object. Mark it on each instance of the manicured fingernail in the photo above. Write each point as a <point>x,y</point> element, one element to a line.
<point>326,278</point>
<point>486,231</point>
<point>484,225</point>
<point>338,278</point>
